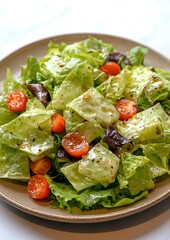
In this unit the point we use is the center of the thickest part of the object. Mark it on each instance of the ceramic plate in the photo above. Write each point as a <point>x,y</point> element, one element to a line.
<point>15,193</point>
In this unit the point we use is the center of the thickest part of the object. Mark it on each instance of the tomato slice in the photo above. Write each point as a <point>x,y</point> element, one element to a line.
<point>16,101</point>
<point>126,108</point>
<point>38,187</point>
<point>75,144</point>
<point>41,166</point>
<point>110,68</point>
<point>58,123</point>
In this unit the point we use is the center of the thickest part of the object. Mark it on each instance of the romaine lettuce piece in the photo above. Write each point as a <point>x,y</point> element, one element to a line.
<point>166,105</point>
<point>30,70</point>
<point>135,173</point>
<point>14,164</point>
<point>74,122</point>
<point>92,198</point>
<point>143,82</point>
<point>72,119</point>
<point>30,132</point>
<point>58,67</point>
<point>10,84</point>
<point>136,55</point>
<point>93,107</point>
<point>76,83</point>
<point>148,126</point>
<point>91,49</point>
<point>90,130</point>
<point>163,73</point>
<point>99,166</point>
<point>113,88</point>
<point>159,154</point>
<point>6,115</point>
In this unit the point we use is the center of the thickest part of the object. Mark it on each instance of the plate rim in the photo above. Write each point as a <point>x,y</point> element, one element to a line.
<point>126,211</point>
<point>95,34</point>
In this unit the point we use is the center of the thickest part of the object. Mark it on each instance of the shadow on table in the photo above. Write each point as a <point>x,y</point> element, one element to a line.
<point>114,225</point>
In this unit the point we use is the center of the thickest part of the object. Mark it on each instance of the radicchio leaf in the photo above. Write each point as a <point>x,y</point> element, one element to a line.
<point>118,58</point>
<point>39,91</point>
<point>114,140</point>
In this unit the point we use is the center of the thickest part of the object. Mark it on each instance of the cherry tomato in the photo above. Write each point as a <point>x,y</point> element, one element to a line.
<point>16,101</point>
<point>58,123</point>
<point>110,68</point>
<point>126,108</point>
<point>41,166</point>
<point>38,187</point>
<point>75,144</point>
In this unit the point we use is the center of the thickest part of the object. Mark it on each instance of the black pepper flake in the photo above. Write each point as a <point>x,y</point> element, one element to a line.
<point>158,130</point>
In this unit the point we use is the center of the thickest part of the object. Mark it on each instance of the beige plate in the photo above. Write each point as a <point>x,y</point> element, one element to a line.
<point>15,193</point>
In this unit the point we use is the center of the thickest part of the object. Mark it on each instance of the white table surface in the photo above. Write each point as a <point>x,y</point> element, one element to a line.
<point>145,21</point>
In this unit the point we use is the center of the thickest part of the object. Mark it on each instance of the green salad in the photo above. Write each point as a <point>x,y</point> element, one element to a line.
<point>86,126</point>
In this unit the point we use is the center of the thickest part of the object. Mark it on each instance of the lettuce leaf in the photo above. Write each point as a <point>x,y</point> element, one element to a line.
<point>113,88</point>
<point>136,55</point>
<point>75,84</point>
<point>91,49</point>
<point>142,82</point>
<point>159,154</point>
<point>74,122</point>
<point>151,125</point>
<point>6,115</point>
<point>98,166</point>
<point>14,164</point>
<point>30,132</point>
<point>135,173</point>
<point>93,107</point>
<point>66,197</point>
<point>30,71</point>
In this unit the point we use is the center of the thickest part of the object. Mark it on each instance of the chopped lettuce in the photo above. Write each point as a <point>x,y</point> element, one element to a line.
<point>151,125</point>
<point>93,107</point>
<point>29,132</point>
<point>113,88</point>
<point>91,198</point>
<point>159,154</point>
<point>14,164</point>
<point>135,173</point>
<point>141,80</point>
<point>75,84</point>
<point>92,50</point>
<point>136,55</point>
<point>31,70</point>
<point>99,166</point>
<point>6,115</point>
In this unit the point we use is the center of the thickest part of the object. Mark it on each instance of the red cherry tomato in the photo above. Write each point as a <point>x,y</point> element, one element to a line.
<point>38,187</point>
<point>58,123</point>
<point>126,108</point>
<point>110,68</point>
<point>16,101</point>
<point>75,144</point>
<point>41,166</point>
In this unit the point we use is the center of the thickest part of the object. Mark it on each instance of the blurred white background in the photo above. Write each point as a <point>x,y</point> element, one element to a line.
<point>146,21</point>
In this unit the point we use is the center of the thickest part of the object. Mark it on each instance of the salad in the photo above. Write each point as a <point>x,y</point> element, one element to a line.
<point>86,126</point>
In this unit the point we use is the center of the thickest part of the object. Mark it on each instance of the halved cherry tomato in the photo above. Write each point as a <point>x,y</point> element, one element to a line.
<point>75,144</point>
<point>16,101</point>
<point>110,68</point>
<point>38,187</point>
<point>58,123</point>
<point>127,108</point>
<point>41,166</point>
